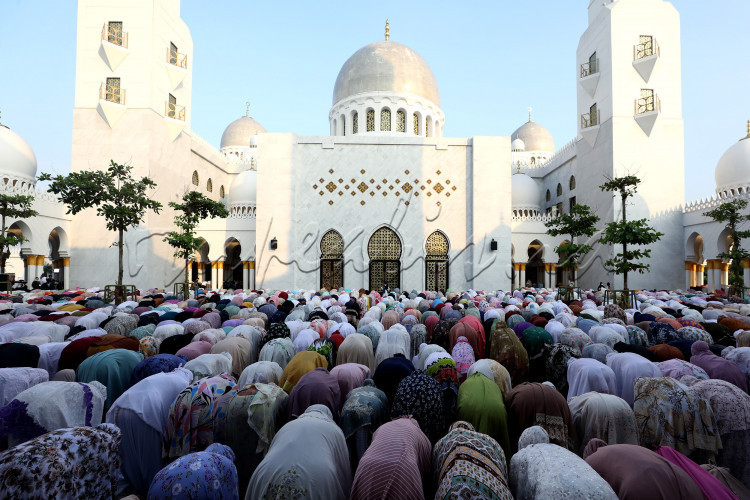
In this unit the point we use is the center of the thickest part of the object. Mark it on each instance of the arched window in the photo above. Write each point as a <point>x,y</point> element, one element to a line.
<point>221,192</point>
<point>384,250</point>
<point>549,195</point>
<point>532,161</point>
<point>343,125</point>
<point>415,123</point>
<point>436,262</point>
<point>572,182</point>
<point>400,121</point>
<point>371,120</point>
<point>210,186</point>
<point>196,181</point>
<point>437,128</point>
<point>385,120</point>
<point>355,122</point>
<point>559,189</point>
<point>428,127</point>
<point>331,260</point>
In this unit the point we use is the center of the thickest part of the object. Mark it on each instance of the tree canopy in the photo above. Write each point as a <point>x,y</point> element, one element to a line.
<point>625,232</point>
<point>116,195</point>
<point>580,221</point>
<point>730,214</point>
<point>193,208</point>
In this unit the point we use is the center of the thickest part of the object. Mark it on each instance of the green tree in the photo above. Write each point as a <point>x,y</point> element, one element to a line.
<point>13,206</point>
<point>581,221</point>
<point>116,195</point>
<point>627,233</point>
<point>730,213</point>
<point>194,208</point>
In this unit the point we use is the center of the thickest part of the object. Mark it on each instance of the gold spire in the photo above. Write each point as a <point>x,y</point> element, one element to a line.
<point>247,108</point>
<point>748,130</point>
<point>529,110</point>
<point>387,30</point>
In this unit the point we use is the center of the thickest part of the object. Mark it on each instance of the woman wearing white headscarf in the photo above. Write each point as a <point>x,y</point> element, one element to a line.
<point>629,366</point>
<point>602,416</point>
<point>544,470</point>
<point>587,375</point>
<point>140,414</point>
<point>308,458</point>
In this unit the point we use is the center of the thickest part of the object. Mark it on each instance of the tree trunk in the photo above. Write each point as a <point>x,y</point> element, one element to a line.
<point>624,243</point>
<point>187,263</point>
<point>120,244</point>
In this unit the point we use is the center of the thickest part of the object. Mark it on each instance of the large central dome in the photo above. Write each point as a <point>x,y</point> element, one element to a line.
<point>386,67</point>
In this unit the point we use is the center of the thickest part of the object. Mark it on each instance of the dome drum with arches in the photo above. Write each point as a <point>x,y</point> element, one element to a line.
<point>525,194</point>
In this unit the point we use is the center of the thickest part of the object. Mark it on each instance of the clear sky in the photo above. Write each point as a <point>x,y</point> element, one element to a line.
<point>491,59</point>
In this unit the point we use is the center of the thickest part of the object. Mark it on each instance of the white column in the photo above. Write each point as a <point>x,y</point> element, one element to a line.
<point>251,275</point>
<point>522,278</point>
<point>688,277</point>
<point>66,272</point>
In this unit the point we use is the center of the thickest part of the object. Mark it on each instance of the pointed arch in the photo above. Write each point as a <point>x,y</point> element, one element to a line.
<point>436,262</point>
<point>331,260</point>
<point>384,249</point>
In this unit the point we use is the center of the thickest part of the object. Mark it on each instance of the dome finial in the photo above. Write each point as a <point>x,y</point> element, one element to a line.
<point>387,30</point>
<point>247,108</point>
<point>529,110</point>
<point>746,137</point>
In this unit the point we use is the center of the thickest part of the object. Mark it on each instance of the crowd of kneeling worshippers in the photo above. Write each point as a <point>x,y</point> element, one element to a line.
<point>350,394</point>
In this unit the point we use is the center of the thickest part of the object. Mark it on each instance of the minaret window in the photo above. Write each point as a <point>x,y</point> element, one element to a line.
<point>172,53</point>
<point>646,103</point>
<point>645,46</point>
<point>171,106</point>
<point>355,123</point>
<point>196,181</point>
<point>371,120</point>
<point>210,186</point>
<point>572,182</point>
<point>343,125</point>
<point>559,190</point>
<point>549,195</point>
<point>400,121</point>
<point>415,123</point>
<point>113,92</point>
<point>115,34</point>
<point>385,120</point>
<point>593,115</point>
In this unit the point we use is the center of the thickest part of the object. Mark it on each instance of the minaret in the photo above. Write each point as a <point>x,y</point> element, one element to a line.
<point>630,118</point>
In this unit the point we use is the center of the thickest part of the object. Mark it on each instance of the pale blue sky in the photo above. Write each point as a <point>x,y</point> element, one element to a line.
<point>491,60</point>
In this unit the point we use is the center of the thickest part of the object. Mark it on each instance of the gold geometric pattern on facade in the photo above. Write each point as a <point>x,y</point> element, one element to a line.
<point>371,120</point>
<point>415,124</point>
<point>400,121</point>
<point>396,186</point>
<point>362,202</point>
<point>355,123</point>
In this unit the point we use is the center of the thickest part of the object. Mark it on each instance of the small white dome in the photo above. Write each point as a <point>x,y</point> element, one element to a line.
<point>254,141</point>
<point>535,137</point>
<point>244,188</point>
<point>239,132</point>
<point>517,145</point>
<point>525,194</point>
<point>17,159</point>
<point>733,169</point>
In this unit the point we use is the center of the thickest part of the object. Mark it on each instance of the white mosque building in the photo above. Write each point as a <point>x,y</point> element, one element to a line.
<point>387,198</point>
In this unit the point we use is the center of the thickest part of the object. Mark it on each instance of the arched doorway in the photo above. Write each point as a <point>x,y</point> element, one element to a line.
<point>436,262</point>
<point>201,266</point>
<point>384,250</point>
<point>232,264</point>
<point>331,260</point>
<point>535,264</point>
<point>15,265</point>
